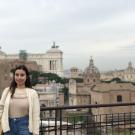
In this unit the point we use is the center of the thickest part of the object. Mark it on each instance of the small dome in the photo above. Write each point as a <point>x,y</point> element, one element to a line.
<point>91,69</point>
<point>130,68</point>
<point>91,74</point>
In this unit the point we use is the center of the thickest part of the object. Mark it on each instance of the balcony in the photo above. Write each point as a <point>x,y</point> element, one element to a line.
<point>88,120</point>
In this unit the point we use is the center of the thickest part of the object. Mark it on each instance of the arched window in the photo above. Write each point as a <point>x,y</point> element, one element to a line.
<point>119,98</point>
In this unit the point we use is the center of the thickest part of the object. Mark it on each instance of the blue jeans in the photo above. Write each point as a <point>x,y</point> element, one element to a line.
<point>18,126</point>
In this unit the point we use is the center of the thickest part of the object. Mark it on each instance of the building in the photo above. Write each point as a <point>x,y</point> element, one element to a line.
<point>49,62</point>
<point>78,93</point>
<point>75,73</point>
<point>93,91</point>
<point>91,74</point>
<point>79,89</point>
<point>110,93</point>
<point>49,94</point>
<point>127,74</point>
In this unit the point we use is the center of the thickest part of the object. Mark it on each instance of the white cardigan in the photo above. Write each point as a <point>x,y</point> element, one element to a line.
<point>34,110</point>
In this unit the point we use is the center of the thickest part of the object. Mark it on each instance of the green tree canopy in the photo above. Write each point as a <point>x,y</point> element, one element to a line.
<point>35,75</point>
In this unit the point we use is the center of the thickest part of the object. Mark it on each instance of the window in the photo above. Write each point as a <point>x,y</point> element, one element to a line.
<point>119,98</point>
<point>53,64</point>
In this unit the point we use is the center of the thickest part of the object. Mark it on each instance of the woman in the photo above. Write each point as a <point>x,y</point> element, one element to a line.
<point>20,106</point>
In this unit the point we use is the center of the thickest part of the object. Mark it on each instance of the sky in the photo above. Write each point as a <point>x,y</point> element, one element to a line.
<point>103,29</point>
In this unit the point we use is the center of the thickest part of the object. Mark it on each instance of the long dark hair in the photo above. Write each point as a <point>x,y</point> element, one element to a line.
<point>13,84</point>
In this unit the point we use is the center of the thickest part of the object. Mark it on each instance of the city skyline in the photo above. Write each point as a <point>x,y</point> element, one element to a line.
<point>103,29</point>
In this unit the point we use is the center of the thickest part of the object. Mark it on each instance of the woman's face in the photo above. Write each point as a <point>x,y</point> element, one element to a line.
<point>20,77</point>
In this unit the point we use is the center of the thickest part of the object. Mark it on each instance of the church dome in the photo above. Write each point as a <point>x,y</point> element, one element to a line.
<point>91,74</point>
<point>130,68</point>
<point>91,69</point>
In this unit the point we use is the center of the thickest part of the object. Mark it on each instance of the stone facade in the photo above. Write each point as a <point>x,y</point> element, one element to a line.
<point>75,73</point>
<point>79,92</point>
<point>49,95</point>
<point>93,91</point>
<point>49,62</point>
<point>127,74</point>
<point>109,93</point>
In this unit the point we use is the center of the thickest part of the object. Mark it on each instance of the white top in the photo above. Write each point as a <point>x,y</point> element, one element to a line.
<point>34,110</point>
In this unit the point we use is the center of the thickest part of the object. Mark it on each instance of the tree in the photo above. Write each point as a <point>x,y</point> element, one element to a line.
<point>117,80</point>
<point>51,77</point>
<point>23,55</point>
<point>34,77</point>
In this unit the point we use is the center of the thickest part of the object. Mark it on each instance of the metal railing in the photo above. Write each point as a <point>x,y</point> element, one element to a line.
<point>82,120</point>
